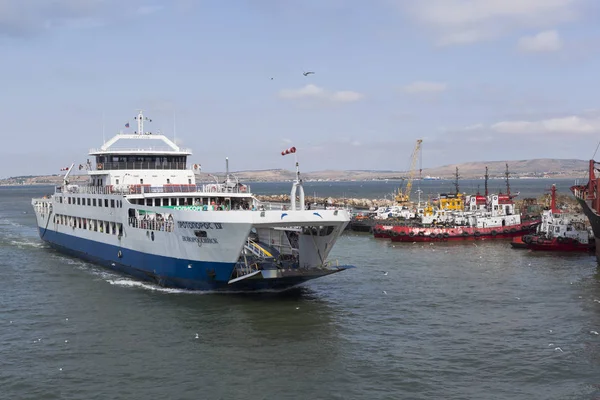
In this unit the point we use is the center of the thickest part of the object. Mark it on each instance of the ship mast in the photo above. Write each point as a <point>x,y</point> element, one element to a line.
<point>486,181</point>
<point>507,174</point>
<point>553,199</point>
<point>456,176</point>
<point>140,121</point>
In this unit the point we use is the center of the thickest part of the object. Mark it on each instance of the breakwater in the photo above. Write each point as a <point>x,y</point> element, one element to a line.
<point>361,203</point>
<point>564,201</point>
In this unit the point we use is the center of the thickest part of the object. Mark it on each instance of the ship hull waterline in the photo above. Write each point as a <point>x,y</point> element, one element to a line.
<point>409,234</point>
<point>160,270</point>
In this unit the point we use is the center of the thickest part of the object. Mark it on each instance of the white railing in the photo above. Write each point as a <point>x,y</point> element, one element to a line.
<point>166,149</point>
<point>143,189</point>
<point>153,225</point>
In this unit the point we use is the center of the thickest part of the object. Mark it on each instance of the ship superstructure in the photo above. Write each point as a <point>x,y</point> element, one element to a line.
<point>144,213</point>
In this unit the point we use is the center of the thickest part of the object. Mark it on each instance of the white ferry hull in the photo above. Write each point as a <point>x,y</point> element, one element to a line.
<point>174,260</point>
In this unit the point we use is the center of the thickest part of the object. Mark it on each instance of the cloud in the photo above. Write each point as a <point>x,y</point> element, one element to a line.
<point>584,124</point>
<point>311,91</point>
<point>546,41</point>
<point>468,21</point>
<point>569,125</point>
<point>26,18</point>
<point>425,87</point>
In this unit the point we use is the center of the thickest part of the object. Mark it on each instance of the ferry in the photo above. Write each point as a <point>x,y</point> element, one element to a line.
<point>145,213</point>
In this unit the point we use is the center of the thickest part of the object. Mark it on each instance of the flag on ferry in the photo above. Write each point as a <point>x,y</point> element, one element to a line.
<point>64,169</point>
<point>127,125</point>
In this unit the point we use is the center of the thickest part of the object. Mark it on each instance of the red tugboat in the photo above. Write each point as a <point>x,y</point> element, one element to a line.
<point>559,231</point>
<point>484,217</point>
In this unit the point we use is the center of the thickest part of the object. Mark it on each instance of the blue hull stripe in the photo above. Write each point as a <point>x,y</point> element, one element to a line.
<point>164,271</point>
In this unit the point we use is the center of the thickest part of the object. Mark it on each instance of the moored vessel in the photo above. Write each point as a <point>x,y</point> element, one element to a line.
<point>460,218</point>
<point>588,198</point>
<point>559,231</point>
<point>144,213</point>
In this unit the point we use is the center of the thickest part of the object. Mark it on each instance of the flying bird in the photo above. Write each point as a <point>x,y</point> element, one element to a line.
<point>307,73</point>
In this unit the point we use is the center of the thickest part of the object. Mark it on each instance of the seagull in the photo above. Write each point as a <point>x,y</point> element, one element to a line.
<point>271,78</point>
<point>594,332</point>
<point>559,349</point>
<point>197,337</point>
<point>307,73</point>
<point>385,273</point>
<point>66,341</point>
<point>297,308</point>
<point>60,369</point>
<point>384,292</point>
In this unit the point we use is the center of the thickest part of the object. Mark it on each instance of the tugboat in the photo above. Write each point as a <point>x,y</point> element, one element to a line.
<point>484,217</point>
<point>559,231</point>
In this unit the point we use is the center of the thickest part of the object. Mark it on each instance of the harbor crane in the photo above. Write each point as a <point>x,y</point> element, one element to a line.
<point>404,196</point>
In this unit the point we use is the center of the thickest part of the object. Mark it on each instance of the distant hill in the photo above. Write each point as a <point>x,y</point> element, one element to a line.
<point>542,167</point>
<point>537,167</point>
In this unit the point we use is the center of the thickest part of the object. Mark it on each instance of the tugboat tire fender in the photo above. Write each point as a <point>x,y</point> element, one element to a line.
<point>465,233</point>
<point>560,239</point>
<point>477,233</point>
<point>540,240</point>
<point>446,234</point>
<point>421,233</point>
<point>401,233</point>
<point>494,232</point>
<point>513,230</point>
<point>439,236</point>
<point>411,234</point>
<point>505,231</point>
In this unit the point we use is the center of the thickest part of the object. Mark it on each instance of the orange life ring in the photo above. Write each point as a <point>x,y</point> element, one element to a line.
<point>195,166</point>
<point>99,166</point>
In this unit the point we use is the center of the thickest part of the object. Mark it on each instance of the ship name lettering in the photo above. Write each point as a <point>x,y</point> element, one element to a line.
<point>201,240</point>
<point>199,225</point>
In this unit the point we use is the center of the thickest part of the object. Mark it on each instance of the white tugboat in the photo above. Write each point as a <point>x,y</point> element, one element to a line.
<point>143,213</point>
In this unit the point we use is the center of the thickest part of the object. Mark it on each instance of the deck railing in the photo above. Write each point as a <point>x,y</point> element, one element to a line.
<point>117,165</point>
<point>143,189</point>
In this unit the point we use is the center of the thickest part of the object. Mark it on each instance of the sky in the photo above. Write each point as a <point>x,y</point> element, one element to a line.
<point>476,80</point>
